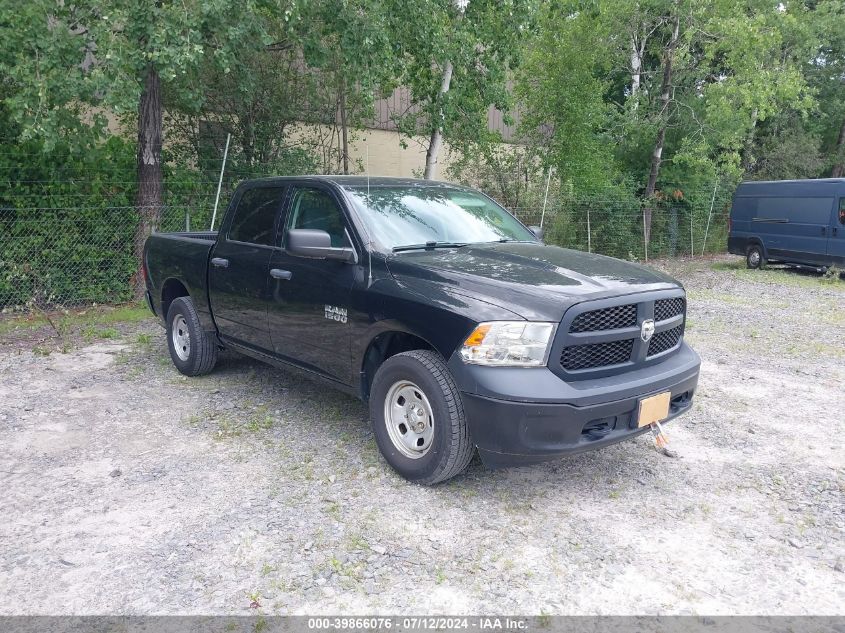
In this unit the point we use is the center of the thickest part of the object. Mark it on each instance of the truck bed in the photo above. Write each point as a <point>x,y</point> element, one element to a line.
<point>180,258</point>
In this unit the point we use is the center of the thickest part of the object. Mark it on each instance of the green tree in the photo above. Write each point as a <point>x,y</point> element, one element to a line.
<point>348,46</point>
<point>120,55</point>
<point>45,73</point>
<point>456,57</point>
<point>825,73</point>
<point>561,87</point>
<point>752,62</point>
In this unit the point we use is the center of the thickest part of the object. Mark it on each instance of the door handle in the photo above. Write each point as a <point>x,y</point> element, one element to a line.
<point>824,230</point>
<point>219,262</point>
<point>835,230</point>
<point>277,273</point>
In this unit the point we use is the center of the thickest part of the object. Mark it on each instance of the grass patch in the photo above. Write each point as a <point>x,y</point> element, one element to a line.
<point>833,275</point>
<point>28,322</point>
<point>92,332</point>
<point>782,276</point>
<point>729,265</point>
<point>832,316</point>
<point>87,319</point>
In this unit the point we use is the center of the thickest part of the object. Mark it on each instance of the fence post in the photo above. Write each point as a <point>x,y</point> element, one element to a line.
<point>589,232</point>
<point>691,238</point>
<point>673,230</point>
<point>220,182</point>
<point>546,198</point>
<point>709,215</point>
<point>645,238</point>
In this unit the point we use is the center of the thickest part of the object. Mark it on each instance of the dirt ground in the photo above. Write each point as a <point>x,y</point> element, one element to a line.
<point>127,488</point>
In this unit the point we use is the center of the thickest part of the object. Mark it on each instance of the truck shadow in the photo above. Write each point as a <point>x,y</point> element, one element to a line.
<point>315,415</point>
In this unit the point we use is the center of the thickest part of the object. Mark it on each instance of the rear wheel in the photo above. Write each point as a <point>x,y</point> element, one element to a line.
<point>418,418</point>
<point>754,257</point>
<point>193,351</point>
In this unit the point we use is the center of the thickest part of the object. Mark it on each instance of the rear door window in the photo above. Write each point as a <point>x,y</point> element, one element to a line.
<point>842,211</point>
<point>255,216</point>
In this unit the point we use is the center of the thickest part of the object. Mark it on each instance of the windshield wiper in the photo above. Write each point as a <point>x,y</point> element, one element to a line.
<point>428,246</point>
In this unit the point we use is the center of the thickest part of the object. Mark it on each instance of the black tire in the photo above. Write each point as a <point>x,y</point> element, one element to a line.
<point>754,257</point>
<point>451,449</point>
<point>199,356</point>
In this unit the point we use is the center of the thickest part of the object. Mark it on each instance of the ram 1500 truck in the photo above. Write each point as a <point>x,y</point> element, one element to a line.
<point>430,302</point>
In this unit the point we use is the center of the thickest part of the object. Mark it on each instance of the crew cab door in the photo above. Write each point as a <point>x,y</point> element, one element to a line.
<point>238,275</point>
<point>836,242</point>
<point>308,315</point>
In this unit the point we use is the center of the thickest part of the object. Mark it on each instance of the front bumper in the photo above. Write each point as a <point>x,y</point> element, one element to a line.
<point>523,416</point>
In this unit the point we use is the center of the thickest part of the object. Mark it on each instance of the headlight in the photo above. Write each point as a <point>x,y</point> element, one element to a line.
<point>509,343</point>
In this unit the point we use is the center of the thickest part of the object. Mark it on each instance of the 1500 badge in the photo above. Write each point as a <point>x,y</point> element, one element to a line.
<point>336,314</point>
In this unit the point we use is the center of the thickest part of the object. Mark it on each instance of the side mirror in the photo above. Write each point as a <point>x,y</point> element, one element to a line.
<point>537,231</point>
<point>318,244</point>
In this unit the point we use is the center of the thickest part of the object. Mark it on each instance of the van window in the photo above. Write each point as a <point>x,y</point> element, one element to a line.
<point>256,215</point>
<point>841,210</point>
<point>744,208</point>
<point>797,210</point>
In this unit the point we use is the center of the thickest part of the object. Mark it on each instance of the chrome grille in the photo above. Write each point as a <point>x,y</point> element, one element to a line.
<point>606,319</point>
<point>604,336</point>
<point>577,357</point>
<point>668,308</point>
<point>664,340</point>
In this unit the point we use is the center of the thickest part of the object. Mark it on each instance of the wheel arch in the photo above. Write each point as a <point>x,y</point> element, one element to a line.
<point>382,346</point>
<point>171,289</point>
<point>755,241</point>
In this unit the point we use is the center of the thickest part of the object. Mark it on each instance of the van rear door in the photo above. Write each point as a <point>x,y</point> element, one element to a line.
<point>836,243</point>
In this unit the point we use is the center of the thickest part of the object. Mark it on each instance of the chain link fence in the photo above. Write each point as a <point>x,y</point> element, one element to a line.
<point>679,227</point>
<point>84,253</point>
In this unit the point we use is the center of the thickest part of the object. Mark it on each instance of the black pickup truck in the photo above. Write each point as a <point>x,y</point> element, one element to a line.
<point>432,303</point>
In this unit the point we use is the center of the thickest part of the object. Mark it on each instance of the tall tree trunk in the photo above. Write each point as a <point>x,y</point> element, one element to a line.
<point>838,170</point>
<point>148,198</point>
<point>748,159</point>
<point>637,51</point>
<point>436,140</point>
<point>636,66</point>
<point>665,94</point>
<point>344,126</point>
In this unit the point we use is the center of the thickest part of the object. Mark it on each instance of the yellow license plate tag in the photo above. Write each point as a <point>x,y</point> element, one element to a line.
<point>654,409</point>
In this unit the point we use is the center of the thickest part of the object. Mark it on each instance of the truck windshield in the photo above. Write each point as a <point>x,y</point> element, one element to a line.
<point>401,218</point>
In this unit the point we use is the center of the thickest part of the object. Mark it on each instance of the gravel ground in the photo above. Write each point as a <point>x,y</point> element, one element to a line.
<point>127,488</point>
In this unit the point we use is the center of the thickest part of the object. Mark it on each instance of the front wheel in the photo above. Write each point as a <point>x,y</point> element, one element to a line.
<point>754,257</point>
<point>193,351</point>
<point>418,418</point>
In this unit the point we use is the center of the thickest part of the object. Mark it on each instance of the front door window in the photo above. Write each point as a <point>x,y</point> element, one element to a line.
<point>317,209</point>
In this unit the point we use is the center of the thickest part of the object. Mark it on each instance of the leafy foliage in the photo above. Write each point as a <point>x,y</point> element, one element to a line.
<point>66,228</point>
<point>603,92</point>
<point>481,43</point>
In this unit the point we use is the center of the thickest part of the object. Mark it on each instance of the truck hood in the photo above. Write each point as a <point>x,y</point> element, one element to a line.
<point>535,281</point>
